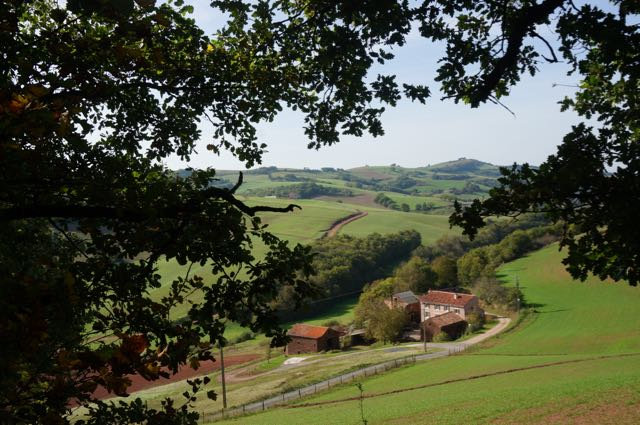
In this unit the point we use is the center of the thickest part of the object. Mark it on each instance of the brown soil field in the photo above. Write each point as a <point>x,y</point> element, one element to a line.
<point>365,199</point>
<point>138,383</point>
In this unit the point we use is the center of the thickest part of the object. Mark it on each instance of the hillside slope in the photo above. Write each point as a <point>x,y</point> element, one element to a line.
<point>575,360</point>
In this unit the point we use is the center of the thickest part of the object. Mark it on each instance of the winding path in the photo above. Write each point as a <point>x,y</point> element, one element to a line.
<point>335,227</point>
<point>445,349</point>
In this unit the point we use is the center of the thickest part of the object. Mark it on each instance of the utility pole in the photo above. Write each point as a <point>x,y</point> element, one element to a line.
<point>224,386</point>
<point>424,336</point>
<point>517,294</point>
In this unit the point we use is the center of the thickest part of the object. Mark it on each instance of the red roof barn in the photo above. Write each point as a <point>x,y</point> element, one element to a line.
<point>311,339</point>
<point>449,323</point>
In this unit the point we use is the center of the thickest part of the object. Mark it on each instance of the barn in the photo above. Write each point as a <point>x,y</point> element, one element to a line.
<point>311,339</point>
<point>449,323</point>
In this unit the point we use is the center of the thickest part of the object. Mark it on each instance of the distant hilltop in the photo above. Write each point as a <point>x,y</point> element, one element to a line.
<point>460,165</point>
<point>429,189</point>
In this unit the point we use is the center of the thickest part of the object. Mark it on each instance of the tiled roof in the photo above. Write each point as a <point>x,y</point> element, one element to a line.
<point>307,331</point>
<point>445,319</point>
<point>407,297</point>
<point>446,298</point>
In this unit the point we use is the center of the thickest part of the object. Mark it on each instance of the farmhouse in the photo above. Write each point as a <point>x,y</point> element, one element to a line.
<point>450,323</point>
<point>436,303</point>
<point>408,302</point>
<point>311,339</point>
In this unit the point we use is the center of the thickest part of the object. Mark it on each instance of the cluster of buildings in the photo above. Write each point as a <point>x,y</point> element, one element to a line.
<point>433,312</point>
<point>437,311</point>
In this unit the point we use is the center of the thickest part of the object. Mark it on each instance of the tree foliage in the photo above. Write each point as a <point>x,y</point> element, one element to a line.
<point>592,180</point>
<point>415,275</point>
<point>483,261</point>
<point>381,322</point>
<point>495,294</point>
<point>345,263</point>
<point>94,95</point>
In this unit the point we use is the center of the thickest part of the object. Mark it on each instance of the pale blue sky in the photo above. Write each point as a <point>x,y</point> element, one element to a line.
<point>417,135</point>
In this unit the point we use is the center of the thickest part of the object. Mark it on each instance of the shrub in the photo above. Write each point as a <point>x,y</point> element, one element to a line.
<point>441,337</point>
<point>332,322</point>
<point>494,293</point>
<point>244,336</point>
<point>476,322</point>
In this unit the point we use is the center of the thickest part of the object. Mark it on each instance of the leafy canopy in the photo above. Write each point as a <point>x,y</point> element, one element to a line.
<point>95,94</point>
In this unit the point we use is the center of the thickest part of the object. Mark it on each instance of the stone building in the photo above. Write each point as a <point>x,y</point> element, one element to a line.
<point>408,302</point>
<point>311,339</point>
<point>450,323</point>
<point>436,303</point>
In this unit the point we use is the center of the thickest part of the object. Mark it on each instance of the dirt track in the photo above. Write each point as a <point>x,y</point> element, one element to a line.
<point>138,383</point>
<point>335,228</point>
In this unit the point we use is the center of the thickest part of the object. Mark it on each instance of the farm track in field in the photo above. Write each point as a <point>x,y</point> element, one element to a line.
<point>335,227</point>
<point>206,367</point>
<point>468,378</point>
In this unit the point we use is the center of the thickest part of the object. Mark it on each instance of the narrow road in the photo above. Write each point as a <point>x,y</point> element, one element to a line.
<point>335,228</point>
<point>445,349</point>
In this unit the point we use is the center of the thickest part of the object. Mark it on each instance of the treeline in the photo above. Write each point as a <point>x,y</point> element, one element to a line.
<point>385,201</point>
<point>469,266</point>
<point>305,190</point>
<point>344,264</point>
<point>288,177</point>
<point>468,188</point>
<point>483,261</point>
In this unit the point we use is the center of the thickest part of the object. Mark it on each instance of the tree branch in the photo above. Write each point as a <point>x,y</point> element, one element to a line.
<point>181,211</point>
<point>553,53</point>
<point>520,27</point>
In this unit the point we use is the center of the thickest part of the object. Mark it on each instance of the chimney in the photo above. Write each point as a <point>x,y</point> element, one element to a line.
<point>455,296</point>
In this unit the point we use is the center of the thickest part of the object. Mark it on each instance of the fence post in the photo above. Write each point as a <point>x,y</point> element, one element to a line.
<point>243,408</point>
<point>262,404</point>
<point>299,393</point>
<point>341,379</point>
<point>283,397</point>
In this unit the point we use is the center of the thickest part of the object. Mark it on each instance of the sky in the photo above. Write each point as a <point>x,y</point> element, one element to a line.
<point>415,134</point>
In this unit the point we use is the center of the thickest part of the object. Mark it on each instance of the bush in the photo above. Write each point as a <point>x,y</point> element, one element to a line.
<point>244,336</point>
<point>476,322</point>
<point>494,293</point>
<point>441,337</point>
<point>332,322</point>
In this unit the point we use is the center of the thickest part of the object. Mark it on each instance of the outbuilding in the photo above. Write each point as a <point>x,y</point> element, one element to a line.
<point>406,301</point>
<point>311,339</point>
<point>449,323</point>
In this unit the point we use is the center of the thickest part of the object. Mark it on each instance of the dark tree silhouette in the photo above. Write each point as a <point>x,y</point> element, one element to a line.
<point>94,94</point>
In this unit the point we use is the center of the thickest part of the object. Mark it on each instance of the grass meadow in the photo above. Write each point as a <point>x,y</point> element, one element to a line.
<point>572,359</point>
<point>310,223</point>
<point>430,227</point>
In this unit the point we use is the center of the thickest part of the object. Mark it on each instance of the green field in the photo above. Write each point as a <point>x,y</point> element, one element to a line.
<point>430,227</point>
<point>310,223</point>
<point>299,226</point>
<point>572,360</point>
